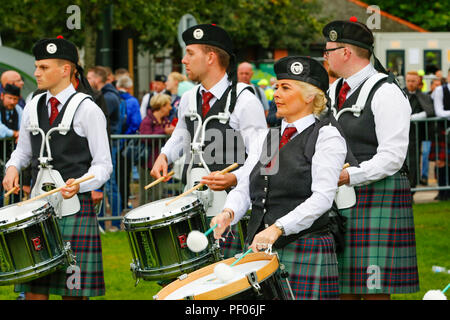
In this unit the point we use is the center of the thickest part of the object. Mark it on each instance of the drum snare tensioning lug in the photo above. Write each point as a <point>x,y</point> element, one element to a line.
<point>253,280</point>
<point>183,276</point>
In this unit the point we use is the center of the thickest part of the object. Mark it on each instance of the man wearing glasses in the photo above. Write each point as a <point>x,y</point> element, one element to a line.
<point>380,251</point>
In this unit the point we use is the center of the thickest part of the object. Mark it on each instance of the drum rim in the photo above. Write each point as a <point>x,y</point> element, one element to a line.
<point>146,220</point>
<point>229,289</point>
<point>37,215</point>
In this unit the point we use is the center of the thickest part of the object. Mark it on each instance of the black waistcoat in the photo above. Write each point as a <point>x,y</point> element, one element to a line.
<point>446,93</point>
<point>359,131</point>
<point>70,152</point>
<point>223,144</point>
<point>13,121</point>
<point>276,194</point>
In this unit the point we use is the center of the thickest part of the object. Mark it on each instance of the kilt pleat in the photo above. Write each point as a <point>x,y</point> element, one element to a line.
<point>81,229</point>
<point>312,266</point>
<point>380,248</point>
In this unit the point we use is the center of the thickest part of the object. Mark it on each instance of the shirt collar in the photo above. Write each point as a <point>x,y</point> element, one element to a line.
<point>300,124</point>
<point>355,80</point>
<point>219,88</point>
<point>63,96</point>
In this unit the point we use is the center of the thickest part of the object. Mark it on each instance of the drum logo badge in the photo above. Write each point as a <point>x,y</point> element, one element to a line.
<point>182,240</point>
<point>37,243</point>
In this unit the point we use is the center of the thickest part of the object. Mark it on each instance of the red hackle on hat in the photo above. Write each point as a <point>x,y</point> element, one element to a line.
<point>353,19</point>
<point>60,37</point>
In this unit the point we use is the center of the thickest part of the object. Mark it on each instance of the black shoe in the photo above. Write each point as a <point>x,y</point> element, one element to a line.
<point>423,181</point>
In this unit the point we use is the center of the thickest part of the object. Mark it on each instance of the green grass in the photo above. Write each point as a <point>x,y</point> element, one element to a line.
<point>432,221</point>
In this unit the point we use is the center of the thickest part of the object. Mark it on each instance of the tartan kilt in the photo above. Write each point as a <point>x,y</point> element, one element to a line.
<point>81,229</point>
<point>312,265</point>
<point>380,248</point>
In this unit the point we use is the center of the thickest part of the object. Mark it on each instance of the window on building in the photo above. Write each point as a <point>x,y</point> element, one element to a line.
<point>395,62</point>
<point>432,61</point>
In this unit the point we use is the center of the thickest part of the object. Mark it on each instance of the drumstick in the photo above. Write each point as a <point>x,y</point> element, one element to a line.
<point>56,190</point>
<point>227,169</point>
<point>11,191</point>
<point>241,257</point>
<point>211,229</point>
<point>346,166</point>
<point>171,173</point>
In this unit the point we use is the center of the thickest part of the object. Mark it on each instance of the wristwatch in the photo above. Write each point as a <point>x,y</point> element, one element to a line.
<point>279,226</point>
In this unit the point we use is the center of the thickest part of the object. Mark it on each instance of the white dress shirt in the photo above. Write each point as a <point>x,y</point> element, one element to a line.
<point>326,165</point>
<point>438,101</point>
<point>392,114</point>
<point>247,118</point>
<point>89,122</point>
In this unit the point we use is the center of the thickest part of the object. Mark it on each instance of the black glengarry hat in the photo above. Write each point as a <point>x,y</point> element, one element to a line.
<point>351,32</point>
<point>55,48</point>
<point>304,69</point>
<point>209,34</point>
<point>12,90</point>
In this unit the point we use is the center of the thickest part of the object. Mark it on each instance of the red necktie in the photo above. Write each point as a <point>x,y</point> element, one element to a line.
<point>54,110</point>
<point>206,97</point>
<point>287,134</point>
<point>343,94</point>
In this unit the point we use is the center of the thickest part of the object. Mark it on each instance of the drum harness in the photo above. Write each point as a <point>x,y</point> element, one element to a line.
<point>47,177</point>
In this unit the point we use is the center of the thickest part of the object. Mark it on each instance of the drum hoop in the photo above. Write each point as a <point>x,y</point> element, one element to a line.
<point>38,215</point>
<point>163,220</point>
<point>227,290</point>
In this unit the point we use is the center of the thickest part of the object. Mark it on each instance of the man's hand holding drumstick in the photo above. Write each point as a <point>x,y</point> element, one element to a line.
<point>219,182</point>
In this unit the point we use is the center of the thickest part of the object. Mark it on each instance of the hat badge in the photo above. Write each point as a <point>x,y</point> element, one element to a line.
<point>333,35</point>
<point>51,48</point>
<point>198,34</point>
<point>296,68</point>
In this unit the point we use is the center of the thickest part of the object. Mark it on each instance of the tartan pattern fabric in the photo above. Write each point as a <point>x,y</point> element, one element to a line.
<point>380,248</point>
<point>81,229</point>
<point>439,152</point>
<point>312,266</point>
<point>232,243</point>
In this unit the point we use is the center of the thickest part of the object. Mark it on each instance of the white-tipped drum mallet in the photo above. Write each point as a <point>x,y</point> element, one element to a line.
<point>227,169</point>
<point>197,241</point>
<point>154,183</point>
<point>436,294</point>
<point>225,272</point>
<point>46,194</point>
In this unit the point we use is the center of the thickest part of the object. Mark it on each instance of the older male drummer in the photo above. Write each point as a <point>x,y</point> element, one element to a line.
<point>83,151</point>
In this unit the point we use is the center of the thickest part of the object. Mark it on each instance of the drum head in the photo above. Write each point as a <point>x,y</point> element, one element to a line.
<point>14,212</point>
<point>203,284</point>
<point>158,209</point>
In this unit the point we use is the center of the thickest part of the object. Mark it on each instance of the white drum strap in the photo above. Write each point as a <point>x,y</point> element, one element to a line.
<point>365,91</point>
<point>193,102</point>
<point>74,103</point>
<point>33,124</point>
<point>332,93</point>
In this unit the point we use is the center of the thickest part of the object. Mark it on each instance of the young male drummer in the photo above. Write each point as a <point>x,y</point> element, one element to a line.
<point>380,251</point>
<point>83,151</point>
<point>209,55</point>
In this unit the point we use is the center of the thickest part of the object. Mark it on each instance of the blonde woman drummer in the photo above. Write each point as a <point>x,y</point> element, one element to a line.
<point>292,190</point>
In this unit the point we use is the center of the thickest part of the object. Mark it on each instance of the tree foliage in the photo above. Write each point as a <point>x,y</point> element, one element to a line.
<point>430,15</point>
<point>289,24</point>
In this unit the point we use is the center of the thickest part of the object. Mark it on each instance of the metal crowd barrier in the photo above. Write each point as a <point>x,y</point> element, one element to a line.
<point>133,157</point>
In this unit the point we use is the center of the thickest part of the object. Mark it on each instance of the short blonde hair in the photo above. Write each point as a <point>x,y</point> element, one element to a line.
<point>177,76</point>
<point>159,100</point>
<point>319,102</point>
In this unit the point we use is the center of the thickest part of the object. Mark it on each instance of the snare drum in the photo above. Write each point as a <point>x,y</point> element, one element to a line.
<point>157,236</point>
<point>31,245</point>
<point>256,276</point>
